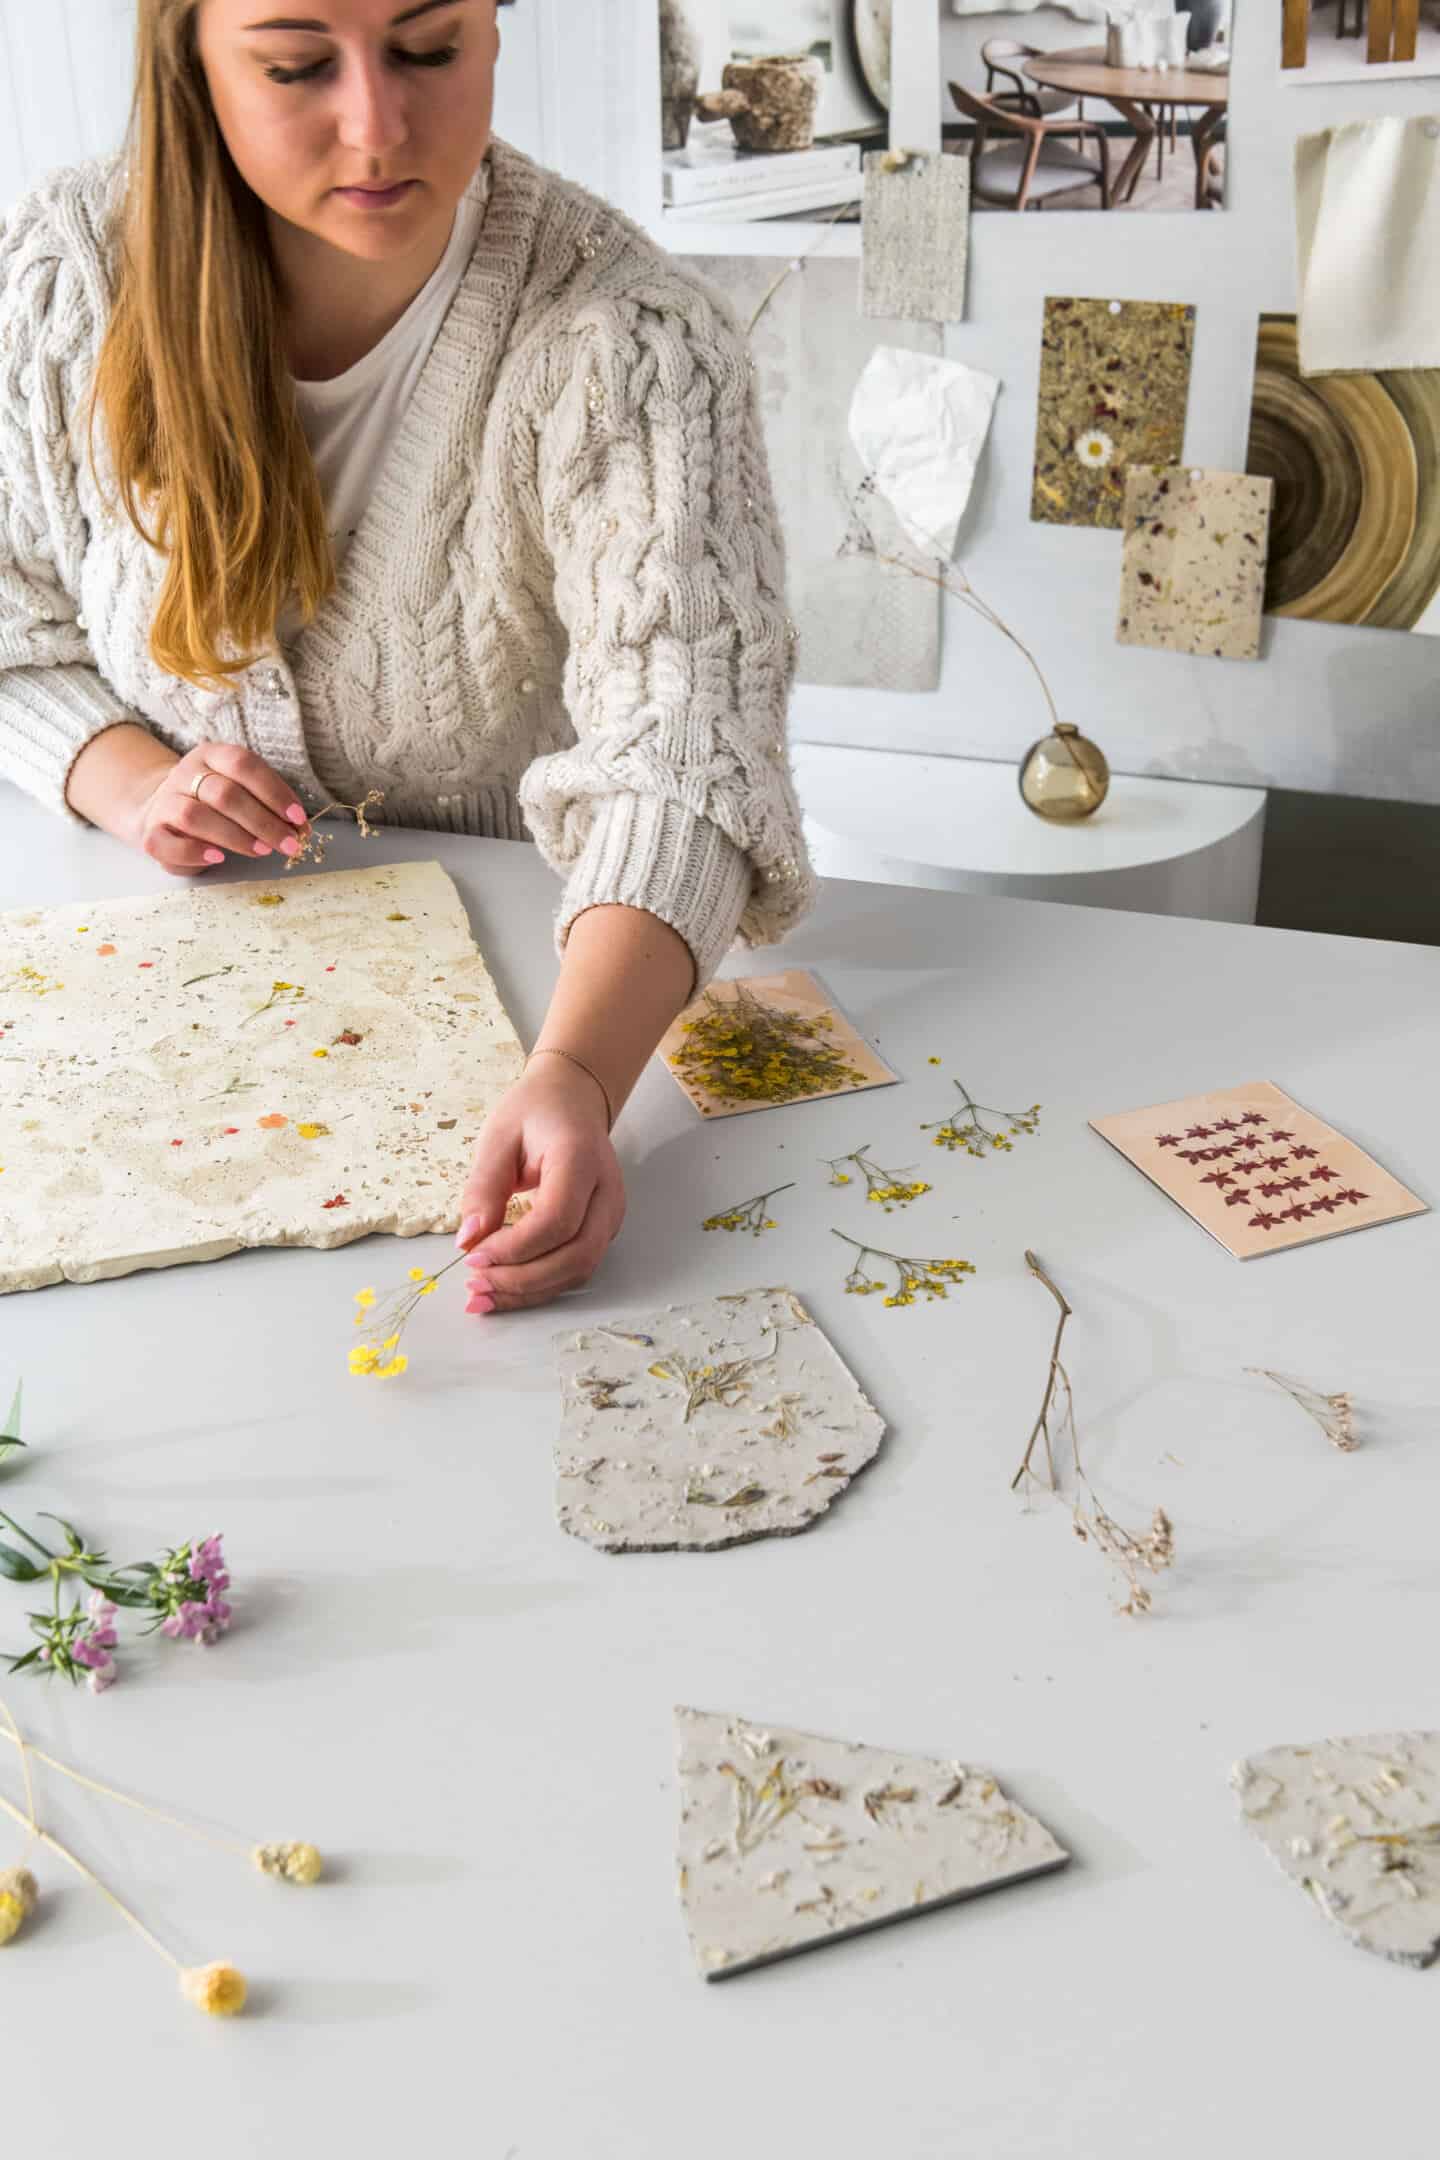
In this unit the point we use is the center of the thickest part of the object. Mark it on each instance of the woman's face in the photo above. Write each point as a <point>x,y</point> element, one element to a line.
<point>317,96</point>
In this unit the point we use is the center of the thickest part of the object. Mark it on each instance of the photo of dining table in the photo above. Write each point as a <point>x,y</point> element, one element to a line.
<point>1147,98</point>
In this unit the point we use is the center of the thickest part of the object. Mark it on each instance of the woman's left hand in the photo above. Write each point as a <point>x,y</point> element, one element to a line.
<point>548,1138</point>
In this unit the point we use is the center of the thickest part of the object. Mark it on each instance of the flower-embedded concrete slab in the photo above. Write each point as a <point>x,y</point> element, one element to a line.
<point>788,1840</point>
<point>1114,385</point>
<point>1357,1824</point>
<point>707,1425</point>
<point>294,1063</point>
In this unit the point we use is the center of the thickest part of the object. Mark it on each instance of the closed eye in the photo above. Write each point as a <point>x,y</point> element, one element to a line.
<point>442,57</point>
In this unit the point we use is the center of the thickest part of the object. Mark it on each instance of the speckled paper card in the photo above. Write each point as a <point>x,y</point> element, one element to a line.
<point>1114,384</point>
<point>1357,1824</point>
<point>757,1042</point>
<point>788,1840</point>
<point>1193,579</point>
<point>1257,1171</point>
<point>916,241</point>
<point>231,1065</point>
<point>707,1425</point>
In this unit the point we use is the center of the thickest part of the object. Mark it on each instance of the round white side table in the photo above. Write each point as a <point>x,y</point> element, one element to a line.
<point>1161,847</point>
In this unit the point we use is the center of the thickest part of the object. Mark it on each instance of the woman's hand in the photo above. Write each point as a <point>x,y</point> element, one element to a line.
<point>548,1138</point>
<point>131,785</point>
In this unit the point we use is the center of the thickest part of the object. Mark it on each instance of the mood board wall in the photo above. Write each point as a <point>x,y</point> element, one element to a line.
<point>1328,709</point>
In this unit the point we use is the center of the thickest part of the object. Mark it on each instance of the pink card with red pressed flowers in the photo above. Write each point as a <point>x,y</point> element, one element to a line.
<point>1256,1170</point>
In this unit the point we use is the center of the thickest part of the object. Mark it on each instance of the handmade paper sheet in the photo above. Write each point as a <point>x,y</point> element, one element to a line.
<point>1193,578</point>
<point>916,238</point>
<point>297,1063</point>
<point>707,1425</point>
<point>1114,385</point>
<point>1367,215</point>
<point>757,1042</point>
<point>1356,1823</point>
<point>789,1840</point>
<point>1257,1171</point>
<point>1355,533</point>
<point>918,426</point>
<point>860,623</point>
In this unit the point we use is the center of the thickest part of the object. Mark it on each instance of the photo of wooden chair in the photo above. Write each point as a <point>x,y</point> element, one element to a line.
<point>1003,58</point>
<point>1036,159</point>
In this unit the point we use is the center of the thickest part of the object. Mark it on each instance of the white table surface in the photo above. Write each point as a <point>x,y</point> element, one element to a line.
<point>470,1714</point>
<point>968,812</point>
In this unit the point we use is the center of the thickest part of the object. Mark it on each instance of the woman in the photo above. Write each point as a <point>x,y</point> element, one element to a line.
<point>342,447</point>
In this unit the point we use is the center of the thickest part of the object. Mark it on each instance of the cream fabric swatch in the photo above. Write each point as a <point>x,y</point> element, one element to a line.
<point>1367,219</point>
<point>916,238</point>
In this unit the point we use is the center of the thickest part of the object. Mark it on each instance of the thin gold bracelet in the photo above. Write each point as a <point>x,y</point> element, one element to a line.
<point>550,1051</point>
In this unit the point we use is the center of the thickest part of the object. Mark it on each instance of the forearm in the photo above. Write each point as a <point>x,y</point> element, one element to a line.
<point>624,977</point>
<point>111,772</point>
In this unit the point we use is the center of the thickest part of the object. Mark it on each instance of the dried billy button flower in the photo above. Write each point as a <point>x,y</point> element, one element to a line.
<point>968,1130</point>
<point>18,1893</point>
<point>889,1188</point>
<point>747,1214</point>
<point>289,1863</point>
<point>219,1990</point>
<point>742,1050</point>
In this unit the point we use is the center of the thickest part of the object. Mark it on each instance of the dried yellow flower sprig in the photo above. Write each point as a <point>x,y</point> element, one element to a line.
<point>1131,1552</point>
<point>888,1188</point>
<point>967,1129</point>
<point>312,847</point>
<point>383,1360</point>
<point>1334,1414</point>
<point>914,1278</point>
<point>743,1050</point>
<point>747,1214</point>
<point>18,1893</point>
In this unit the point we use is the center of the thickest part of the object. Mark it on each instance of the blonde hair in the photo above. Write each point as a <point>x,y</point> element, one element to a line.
<point>193,381</point>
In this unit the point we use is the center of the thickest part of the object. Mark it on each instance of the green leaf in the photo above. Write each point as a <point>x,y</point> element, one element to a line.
<point>10,1437</point>
<point>31,1657</point>
<point>16,1566</point>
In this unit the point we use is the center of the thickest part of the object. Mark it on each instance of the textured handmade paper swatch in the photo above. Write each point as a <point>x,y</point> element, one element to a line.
<point>297,1063</point>
<point>1357,1824</point>
<point>1114,384</point>
<point>757,1042</point>
<point>916,238</point>
<point>1367,219</point>
<point>1355,531</point>
<point>707,1425</point>
<point>1256,1170</point>
<point>918,426</point>
<point>860,623</point>
<point>788,1840</point>
<point>1193,579</point>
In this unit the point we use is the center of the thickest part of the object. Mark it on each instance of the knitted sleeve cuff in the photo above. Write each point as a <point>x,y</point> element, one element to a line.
<point>47,717</point>
<point>644,851</point>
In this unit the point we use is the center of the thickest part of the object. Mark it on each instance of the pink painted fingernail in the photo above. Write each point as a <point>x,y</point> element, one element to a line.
<point>289,847</point>
<point>480,1305</point>
<point>260,848</point>
<point>469,1228</point>
<point>295,814</point>
<point>214,854</point>
<point>479,1285</point>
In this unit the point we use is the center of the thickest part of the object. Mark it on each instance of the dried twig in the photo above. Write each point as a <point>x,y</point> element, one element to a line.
<point>1334,1414</point>
<point>312,847</point>
<point>1131,1552</point>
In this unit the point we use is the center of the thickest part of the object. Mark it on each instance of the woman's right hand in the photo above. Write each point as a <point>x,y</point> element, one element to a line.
<point>132,786</point>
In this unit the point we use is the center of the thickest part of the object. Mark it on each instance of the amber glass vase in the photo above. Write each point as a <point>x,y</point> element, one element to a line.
<point>1064,776</point>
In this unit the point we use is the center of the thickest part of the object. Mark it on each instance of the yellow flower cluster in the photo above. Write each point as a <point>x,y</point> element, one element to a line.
<point>384,1360</point>
<point>889,1188</point>
<point>968,1131</point>
<point>914,1278</point>
<point>896,1194</point>
<point>743,1050</point>
<point>17,1901</point>
<point>218,1990</point>
<point>746,1214</point>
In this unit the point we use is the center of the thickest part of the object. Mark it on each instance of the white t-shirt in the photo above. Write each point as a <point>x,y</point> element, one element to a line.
<point>349,422</point>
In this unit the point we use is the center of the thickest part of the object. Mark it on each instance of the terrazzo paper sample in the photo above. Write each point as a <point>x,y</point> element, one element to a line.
<point>1193,578</point>
<point>1355,530</point>
<point>789,1840</point>
<point>1356,1823</point>
<point>231,1065</point>
<point>1114,385</point>
<point>1257,1171</point>
<point>706,1425</point>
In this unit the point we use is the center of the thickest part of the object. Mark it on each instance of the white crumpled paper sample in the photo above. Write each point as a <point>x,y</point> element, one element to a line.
<point>918,425</point>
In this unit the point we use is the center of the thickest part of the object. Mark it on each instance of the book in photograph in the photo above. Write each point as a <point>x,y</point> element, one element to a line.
<point>712,172</point>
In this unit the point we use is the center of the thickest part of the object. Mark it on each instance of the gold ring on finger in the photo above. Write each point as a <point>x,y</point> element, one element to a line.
<point>205,773</point>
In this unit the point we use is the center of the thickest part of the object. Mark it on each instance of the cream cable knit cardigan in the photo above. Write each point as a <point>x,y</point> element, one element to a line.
<point>562,613</point>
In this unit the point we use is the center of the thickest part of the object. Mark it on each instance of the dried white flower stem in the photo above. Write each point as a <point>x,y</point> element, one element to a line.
<point>1041,1428</point>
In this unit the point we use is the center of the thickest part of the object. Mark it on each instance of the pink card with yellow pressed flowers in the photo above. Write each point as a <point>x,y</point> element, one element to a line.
<point>1256,1170</point>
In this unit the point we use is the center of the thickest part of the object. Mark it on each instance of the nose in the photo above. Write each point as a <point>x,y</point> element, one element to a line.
<point>372,109</point>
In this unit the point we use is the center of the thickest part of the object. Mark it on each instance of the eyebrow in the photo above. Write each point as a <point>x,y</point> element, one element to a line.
<point>288,22</point>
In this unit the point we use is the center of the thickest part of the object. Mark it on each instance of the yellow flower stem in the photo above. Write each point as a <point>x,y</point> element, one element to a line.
<point>64,1853</point>
<point>109,1792</point>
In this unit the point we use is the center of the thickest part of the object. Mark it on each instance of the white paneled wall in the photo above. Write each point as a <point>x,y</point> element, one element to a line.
<point>66,68</point>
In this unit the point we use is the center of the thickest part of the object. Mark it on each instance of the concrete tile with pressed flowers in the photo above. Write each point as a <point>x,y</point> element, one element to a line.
<point>1114,385</point>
